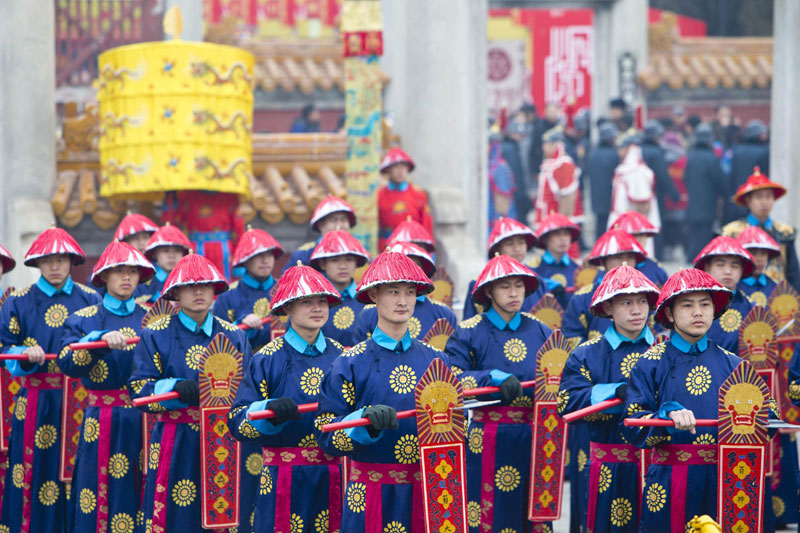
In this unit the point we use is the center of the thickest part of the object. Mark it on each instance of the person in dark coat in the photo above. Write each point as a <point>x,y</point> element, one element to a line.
<point>653,156</point>
<point>752,152</point>
<point>602,162</point>
<point>704,183</point>
<point>541,125</point>
<point>510,151</point>
<point>308,121</point>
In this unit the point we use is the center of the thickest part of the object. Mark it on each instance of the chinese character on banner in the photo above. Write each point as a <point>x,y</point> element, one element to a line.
<point>568,65</point>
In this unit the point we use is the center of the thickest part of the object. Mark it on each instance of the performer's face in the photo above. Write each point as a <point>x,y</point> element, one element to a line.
<point>394,301</point>
<point>507,294</point>
<point>559,241</point>
<point>692,314</point>
<point>761,258</point>
<point>727,269</point>
<point>629,312</point>
<point>138,240</point>
<point>339,269</point>
<point>55,269</point>
<point>760,203</point>
<point>196,298</point>
<point>168,256</point>
<point>614,261</point>
<point>548,149</point>
<point>260,266</point>
<point>310,313</point>
<point>515,247</point>
<point>398,173</point>
<point>121,281</point>
<point>334,221</point>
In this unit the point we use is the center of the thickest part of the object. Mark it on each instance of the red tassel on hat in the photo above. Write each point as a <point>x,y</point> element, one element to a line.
<point>691,280</point>
<point>329,205</point>
<point>501,267</point>
<point>119,253</point>
<point>54,241</point>
<point>412,250</point>
<point>413,232</point>
<point>615,242</point>
<point>756,182</point>
<point>336,243</point>
<point>253,242</point>
<point>301,282</point>
<point>167,235</point>
<point>134,223</point>
<point>634,223</point>
<point>504,228</point>
<point>622,280</point>
<point>392,267</point>
<point>723,245</point>
<point>395,156</point>
<point>193,269</point>
<point>554,222</point>
<point>755,238</point>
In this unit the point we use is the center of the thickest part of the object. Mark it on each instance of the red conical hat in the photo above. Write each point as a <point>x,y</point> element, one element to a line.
<point>193,269</point>
<point>300,282</point>
<point>504,228</point>
<point>553,222</point>
<point>134,223</point>
<point>500,267</point>
<point>395,156</point>
<point>723,245</point>
<point>635,223</point>
<point>412,250</point>
<point>755,182</point>
<point>392,267</point>
<point>691,280</point>
<point>54,241</point>
<point>622,280</point>
<point>336,243</point>
<point>414,232</point>
<point>167,235</point>
<point>332,204</point>
<point>615,242</point>
<point>7,260</point>
<point>753,237</point>
<point>120,253</point>
<point>253,242</point>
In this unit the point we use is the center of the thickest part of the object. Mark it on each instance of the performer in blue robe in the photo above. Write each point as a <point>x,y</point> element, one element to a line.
<point>599,370</point>
<point>248,300</point>
<point>653,271</point>
<point>555,235</point>
<point>426,312</point>
<point>375,379</point>
<point>338,255</point>
<point>498,473</point>
<point>638,225</point>
<point>164,249</point>
<point>31,323</point>
<point>331,214</point>
<point>726,260</point>
<point>166,360</point>
<point>107,482</point>
<point>287,372</point>
<point>680,379</point>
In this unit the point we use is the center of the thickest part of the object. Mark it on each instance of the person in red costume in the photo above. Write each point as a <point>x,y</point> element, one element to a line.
<point>400,199</point>
<point>211,221</point>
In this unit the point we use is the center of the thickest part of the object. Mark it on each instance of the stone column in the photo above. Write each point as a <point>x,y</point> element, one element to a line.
<point>192,14</point>
<point>435,53</point>
<point>27,126</point>
<point>785,121</point>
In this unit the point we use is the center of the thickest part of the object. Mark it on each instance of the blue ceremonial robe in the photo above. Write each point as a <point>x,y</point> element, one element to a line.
<point>249,295</point>
<point>34,498</point>
<point>478,360</point>
<point>653,271</point>
<point>150,290</point>
<point>341,325</point>
<point>725,330</point>
<point>579,323</point>
<point>109,421</point>
<point>426,312</point>
<point>289,367</point>
<point>592,374</point>
<point>557,272</point>
<point>376,371</point>
<point>472,308</point>
<point>758,288</point>
<point>167,353</point>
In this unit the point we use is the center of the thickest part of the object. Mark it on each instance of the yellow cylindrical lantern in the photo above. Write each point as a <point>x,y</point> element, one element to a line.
<point>174,116</point>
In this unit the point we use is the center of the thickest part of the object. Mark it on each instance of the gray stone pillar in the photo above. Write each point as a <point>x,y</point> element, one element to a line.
<point>192,13</point>
<point>27,126</point>
<point>435,53</point>
<point>785,121</point>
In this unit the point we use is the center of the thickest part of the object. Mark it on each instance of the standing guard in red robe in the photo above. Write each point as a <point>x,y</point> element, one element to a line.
<point>399,198</point>
<point>559,184</point>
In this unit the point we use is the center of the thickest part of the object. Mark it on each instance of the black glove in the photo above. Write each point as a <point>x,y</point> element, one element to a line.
<point>188,391</point>
<point>558,291</point>
<point>511,388</point>
<point>285,409</point>
<point>380,417</point>
<point>621,391</point>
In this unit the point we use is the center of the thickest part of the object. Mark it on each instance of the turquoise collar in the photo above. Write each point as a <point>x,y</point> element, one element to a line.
<point>349,291</point>
<point>392,186</point>
<point>498,322</point>
<point>253,283</point>
<point>206,327</point>
<point>299,343</point>
<point>684,346</point>
<point>385,341</point>
<point>161,274</point>
<point>753,221</point>
<point>119,307</point>
<point>50,291</point>
<point>615,338</point>
<point>752,281</point>
<point>548,259</point>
